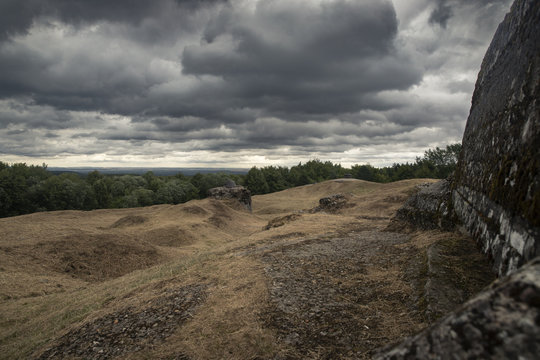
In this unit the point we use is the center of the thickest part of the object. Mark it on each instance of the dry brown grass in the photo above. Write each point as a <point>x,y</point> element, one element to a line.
<point>227,325</point>
<point>126,257</point>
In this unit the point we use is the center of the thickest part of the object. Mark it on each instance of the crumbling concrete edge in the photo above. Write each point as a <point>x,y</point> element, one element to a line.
<point>501,322</point>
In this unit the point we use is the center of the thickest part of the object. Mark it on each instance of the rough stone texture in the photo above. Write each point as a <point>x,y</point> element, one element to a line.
<point>230,184</point>
<point>508,240</point>
<point>130,330</point>
<point>429,207</point>
<point>496,196</point>
<point>496,193</point>
<point>237,192</point>
<point>331,203</point>
<point>502,322</point>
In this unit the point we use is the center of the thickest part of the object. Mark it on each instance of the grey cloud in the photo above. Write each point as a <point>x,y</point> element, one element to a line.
<point>74,75</point>
<point>313,60</point>
<point>441,14</point>
<point>26,114</point>
<point>302,44</point>
<point>444,10</point>
<point>155,77</point>
<point>17,16</point>
<point>464,86</point>
<point>16,132</point>
<point>289,62</point>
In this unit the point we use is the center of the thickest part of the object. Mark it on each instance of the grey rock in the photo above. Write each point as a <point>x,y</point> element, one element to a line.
<point>230,184</point>
<point>125,331</point>
<point>429,207</point>
<point>499,323</point>
<point>331,203</point>
<point>237,192</point>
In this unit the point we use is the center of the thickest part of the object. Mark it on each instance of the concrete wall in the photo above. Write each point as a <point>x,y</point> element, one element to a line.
<point>498,323</point>
<point>496,191</point>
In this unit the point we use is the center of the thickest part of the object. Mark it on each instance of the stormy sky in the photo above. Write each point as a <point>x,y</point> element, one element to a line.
<point>237,83</point>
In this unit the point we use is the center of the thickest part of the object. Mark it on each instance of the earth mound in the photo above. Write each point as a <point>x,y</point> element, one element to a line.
<point>130,220</point>
<point>95,257</point>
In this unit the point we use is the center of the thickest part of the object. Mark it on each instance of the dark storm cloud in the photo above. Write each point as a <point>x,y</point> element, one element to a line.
<point>17,16</point>
<point>444,9</point>
<point>441,14</point>
<point>307,60</point>
<point>147,77</point>
<point>281,59</point>
<point>24,113</point>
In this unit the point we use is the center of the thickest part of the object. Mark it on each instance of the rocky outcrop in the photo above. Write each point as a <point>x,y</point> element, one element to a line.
<point>429,208</point>
<point>331,204</point>
<point>496,192</point>
<point>499,323</point>
<point>232,191</point>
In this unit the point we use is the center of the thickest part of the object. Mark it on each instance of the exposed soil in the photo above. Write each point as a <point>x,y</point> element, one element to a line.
<point>281,220</point>
<point>329,299</point>
<point>129,220</point>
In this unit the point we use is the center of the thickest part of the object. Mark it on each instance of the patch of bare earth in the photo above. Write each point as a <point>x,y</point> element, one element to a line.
<point>130,330</point>
<point>339,297</point>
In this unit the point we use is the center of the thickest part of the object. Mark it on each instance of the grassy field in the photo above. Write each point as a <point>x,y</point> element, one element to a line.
<point>60,271</point>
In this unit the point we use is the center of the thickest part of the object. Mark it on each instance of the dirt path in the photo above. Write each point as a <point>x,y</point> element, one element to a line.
<point>339,297</point>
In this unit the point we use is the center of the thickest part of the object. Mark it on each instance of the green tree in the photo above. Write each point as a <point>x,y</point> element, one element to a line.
<point>117,188</point>
<point>144,197</point>
<point>440,162</point>
<point>94,176</point>
<point>153,182</point>
<point>256,182</point>
<point>205,182</point>
<point>274,178</point>
<point>16,181</point>
<point>66,192</point>
<point>366,172</point>
<point>176,192</point>
<point>102,192</point>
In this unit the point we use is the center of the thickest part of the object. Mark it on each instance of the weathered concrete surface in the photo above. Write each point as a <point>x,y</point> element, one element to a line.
<point>428,208</point>
<point>495,192</point>
<point>496,197</point>
<point>502,322</point>
<point>237,192</point>
<point>497,184</point>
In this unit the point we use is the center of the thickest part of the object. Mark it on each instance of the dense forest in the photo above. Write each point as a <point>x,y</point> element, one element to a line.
<point>25,189</point>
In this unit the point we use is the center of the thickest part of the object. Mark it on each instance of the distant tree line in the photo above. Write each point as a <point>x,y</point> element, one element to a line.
<point>26,189</point>
<point>436,163</point>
